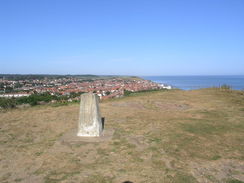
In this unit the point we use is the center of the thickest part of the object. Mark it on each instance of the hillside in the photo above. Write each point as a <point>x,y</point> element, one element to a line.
<point>166,136</point>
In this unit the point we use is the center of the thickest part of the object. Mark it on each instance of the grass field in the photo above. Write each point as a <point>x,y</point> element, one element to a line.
<point>167,136</point>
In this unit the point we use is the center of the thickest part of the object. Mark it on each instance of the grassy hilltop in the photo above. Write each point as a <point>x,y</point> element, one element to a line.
<point>165,136</point>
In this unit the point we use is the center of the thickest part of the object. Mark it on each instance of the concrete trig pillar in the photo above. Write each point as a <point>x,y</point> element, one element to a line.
<point>90,123</point>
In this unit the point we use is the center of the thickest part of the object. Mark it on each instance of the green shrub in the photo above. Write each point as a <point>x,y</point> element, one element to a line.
<point>7,103</point>
<point>225,87</point>
<point>35,98</point>
<point>234,181</point>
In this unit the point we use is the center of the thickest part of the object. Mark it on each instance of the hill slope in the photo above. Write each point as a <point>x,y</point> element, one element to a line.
<point>167,136</point>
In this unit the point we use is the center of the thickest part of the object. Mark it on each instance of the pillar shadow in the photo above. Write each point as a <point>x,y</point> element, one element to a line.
<point>103,122</point>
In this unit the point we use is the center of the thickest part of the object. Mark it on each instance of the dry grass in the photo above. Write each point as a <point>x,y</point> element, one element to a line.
<point>167,136</point>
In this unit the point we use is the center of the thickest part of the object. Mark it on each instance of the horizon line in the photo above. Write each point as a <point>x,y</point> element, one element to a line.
<point>128,74</point>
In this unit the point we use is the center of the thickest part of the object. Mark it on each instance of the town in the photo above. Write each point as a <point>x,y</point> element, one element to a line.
<point>72,86</point>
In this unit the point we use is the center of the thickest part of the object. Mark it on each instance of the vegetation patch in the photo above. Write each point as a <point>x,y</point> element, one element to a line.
<point>54,176</point>
<point>98,179</point>
<point>234,181</point>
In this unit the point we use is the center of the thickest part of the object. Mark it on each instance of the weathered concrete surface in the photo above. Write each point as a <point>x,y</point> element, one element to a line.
<point>90,124</point>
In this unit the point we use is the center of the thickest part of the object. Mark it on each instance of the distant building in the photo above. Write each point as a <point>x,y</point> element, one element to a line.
<point>16,95</point>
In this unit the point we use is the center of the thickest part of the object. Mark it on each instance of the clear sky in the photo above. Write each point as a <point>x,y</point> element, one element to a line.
<point>125,37</point>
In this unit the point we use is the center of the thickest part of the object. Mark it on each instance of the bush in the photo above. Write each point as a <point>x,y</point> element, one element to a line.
<point>7,103</point>
<point>73,94</point>
<point>225,87</point>
<point>128,93</point>
<point>35,98</point>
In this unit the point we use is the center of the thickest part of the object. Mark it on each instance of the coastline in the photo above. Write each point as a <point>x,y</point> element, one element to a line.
<point>235,82</point>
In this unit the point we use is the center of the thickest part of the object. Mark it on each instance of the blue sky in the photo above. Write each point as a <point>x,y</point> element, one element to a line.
<point>125,37</point>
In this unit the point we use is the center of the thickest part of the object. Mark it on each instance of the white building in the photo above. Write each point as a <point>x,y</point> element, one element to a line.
<point>10,95</point>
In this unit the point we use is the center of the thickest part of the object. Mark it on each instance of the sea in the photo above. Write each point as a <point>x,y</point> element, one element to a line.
<point>197,82</point>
